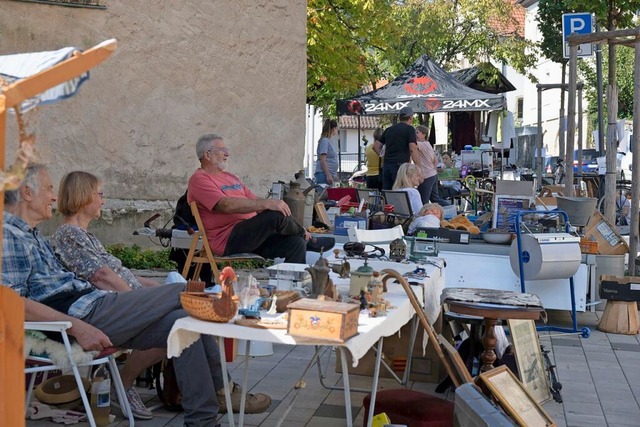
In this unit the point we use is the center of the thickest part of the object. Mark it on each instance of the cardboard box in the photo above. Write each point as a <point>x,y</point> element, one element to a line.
<point>610,242</point>
<point>425,368</point>
<point>324,320</point>
<point>343,222</point>
<point>620,288</point>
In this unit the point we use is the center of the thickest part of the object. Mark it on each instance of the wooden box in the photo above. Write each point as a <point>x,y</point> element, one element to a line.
<point>323,320</point>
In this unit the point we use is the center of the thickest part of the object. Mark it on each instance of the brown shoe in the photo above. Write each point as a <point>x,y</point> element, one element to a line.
<point>254,403</point>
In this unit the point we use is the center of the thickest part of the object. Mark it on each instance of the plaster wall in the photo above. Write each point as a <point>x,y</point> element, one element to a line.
<point>182,69</point>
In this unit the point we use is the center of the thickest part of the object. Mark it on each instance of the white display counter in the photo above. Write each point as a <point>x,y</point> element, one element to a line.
<point>483,265</point>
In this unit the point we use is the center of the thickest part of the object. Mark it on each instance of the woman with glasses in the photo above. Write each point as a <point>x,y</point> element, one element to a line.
<point>327,164</point>
<point>80,201</point>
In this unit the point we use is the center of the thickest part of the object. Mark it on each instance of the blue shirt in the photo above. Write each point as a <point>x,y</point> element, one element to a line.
<point>30,267</point>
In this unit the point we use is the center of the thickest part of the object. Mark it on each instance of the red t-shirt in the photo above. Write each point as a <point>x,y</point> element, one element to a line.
<point>206,190</point>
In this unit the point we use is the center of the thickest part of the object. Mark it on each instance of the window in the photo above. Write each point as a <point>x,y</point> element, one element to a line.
<point>519,107</point>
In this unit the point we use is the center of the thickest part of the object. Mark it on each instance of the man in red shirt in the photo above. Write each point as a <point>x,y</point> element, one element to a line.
<point>235,220</point>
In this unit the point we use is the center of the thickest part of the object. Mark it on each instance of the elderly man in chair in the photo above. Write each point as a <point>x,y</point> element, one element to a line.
<point>139,319</point>
<point>235,220</point>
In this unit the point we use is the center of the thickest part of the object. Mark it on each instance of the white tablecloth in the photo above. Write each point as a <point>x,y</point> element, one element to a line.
<point>187,330</point>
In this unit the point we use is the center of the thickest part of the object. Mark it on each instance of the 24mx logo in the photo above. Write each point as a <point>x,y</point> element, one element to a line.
<point>385,106</point>
<point>421,85</point>
<point>465,103</point>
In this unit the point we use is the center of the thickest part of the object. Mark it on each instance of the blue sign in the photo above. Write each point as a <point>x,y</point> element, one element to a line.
<point>578,23</point>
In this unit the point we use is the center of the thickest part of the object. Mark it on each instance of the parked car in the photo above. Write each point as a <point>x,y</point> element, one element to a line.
<point>589,161</point>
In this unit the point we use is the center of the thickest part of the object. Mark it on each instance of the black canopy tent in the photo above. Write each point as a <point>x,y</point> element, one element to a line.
<point>426,88</point>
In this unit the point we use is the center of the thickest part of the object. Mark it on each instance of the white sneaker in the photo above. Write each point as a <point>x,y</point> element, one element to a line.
<point>139,410</point>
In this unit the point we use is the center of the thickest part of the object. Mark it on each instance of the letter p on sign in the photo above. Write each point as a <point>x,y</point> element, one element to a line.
<point>578,23</point>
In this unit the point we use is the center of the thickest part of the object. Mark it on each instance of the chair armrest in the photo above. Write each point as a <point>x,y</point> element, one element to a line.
<point>57,326</point>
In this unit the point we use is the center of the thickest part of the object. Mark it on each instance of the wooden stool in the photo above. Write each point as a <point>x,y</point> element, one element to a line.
<point>491,304</point>
<point>620,317</point>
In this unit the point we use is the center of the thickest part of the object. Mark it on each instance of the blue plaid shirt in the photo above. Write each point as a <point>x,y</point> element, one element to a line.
<point>30,267</point>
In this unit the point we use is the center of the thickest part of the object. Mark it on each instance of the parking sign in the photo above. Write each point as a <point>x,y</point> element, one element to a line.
<point>579,23</point>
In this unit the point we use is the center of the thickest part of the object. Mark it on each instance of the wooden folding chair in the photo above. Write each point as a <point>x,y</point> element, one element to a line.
<point>200,252</point>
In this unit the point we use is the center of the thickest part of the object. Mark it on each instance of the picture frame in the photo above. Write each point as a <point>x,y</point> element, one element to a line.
<point>505,209</point>
<point>531,368</point>
<point>514,398</point>
<point>462,375</point>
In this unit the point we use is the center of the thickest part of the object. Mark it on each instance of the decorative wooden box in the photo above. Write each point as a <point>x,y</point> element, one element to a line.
<point>323,320</point>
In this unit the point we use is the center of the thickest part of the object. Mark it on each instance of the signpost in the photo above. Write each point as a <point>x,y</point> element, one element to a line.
<point>578,23</point>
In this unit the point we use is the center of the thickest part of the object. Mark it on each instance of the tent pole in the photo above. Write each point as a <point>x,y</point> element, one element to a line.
<point>359,146</point>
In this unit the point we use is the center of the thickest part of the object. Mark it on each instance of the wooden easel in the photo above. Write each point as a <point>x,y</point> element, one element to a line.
<point>11,305</point>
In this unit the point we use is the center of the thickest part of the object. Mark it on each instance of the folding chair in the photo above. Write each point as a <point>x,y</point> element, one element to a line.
<point>200,252</point>
<point>375,237</point>
<point>37,364</point>
<point>372,197</point>
<point>401,206</point>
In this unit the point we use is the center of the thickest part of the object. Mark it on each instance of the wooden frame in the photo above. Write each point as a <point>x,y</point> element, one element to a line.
<point>462,373</point>
<point>198,257</point>
<point>526,348</point>
<point>514,398</point>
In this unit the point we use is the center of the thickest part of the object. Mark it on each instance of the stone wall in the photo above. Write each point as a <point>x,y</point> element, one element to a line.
<point>182,69</point>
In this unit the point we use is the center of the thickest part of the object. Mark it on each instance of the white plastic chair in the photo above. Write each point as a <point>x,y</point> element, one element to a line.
<point>376,237</point>
<point>46,365</point>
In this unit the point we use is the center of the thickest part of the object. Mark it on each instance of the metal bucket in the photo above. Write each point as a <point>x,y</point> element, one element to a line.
<point>579,209</point>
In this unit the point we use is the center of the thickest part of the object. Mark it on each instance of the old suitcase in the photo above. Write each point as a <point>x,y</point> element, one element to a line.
<point>323,320</point>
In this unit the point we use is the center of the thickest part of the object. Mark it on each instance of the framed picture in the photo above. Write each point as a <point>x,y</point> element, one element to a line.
<point>511,394</point>
<point>462,374</point>
<point>531,369</point>
<point>505,209</point>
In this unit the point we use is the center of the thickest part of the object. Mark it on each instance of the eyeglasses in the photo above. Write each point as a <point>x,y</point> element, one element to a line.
<point>222,150</point>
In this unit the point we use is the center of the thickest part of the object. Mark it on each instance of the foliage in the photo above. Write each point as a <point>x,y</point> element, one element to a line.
<point>139,259</point>
<point>448,30</point>
<point>343,38</point>
<point>549,19</point>
<point>354,43</point>
<point>144,259</point>
<point>610,14</point>
<point>621,15</point>
<point>624,82</point>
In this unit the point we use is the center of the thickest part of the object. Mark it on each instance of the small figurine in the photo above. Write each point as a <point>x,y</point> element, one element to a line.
<point>363,301</point>
<point>272,309</point>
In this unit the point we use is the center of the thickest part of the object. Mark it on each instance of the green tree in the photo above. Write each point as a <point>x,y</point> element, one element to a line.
<point>354,43</point>
<point>343,39</point>
<point>447,30</point>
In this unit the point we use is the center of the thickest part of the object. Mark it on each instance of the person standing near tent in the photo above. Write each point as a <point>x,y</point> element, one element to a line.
<point>327,163</point>
<point>427,163</point>
<point>399,141</point>
<point>374,179</point>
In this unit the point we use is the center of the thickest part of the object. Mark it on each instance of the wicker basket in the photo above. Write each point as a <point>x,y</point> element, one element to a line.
<point>211,307</point>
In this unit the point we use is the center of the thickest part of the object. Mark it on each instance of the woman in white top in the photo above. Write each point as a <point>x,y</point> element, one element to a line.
<point>408,179</point>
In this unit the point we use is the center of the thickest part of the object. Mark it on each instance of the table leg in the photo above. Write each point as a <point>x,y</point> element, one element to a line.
<point>374,386</point>
<point>225,381</point>
<point>489,340</point>
<point>245,380</point>
<point>345,382</point>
